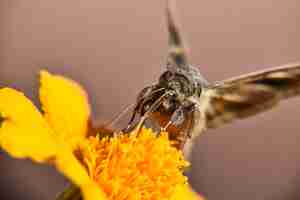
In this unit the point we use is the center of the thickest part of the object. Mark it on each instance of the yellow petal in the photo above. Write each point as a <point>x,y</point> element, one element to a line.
<point>92,192</point>
<point>67,164</point>
<point>185,192</point>
<point>24,133</point>
<point>66,107</point>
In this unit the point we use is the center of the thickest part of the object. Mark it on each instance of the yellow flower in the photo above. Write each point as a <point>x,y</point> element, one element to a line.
<point>136,166</point>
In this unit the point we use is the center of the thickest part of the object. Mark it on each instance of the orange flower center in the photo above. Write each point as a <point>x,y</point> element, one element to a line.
<point>137,166</point>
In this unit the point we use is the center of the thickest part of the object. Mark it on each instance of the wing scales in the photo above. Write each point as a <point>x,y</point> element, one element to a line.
<point>251,94</point>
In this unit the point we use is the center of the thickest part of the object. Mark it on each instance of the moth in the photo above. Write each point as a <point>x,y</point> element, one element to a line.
<point>185,104</point>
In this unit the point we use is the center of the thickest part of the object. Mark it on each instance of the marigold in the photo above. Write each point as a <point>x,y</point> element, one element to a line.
<point>123,167</point>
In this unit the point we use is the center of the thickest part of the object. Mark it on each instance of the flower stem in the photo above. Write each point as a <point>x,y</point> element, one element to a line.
<point>70,193</point>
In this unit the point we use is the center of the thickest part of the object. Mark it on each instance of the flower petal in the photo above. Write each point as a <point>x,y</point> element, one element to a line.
<point>67,164</point>
<point>24,133</point>
<point>92,192</point>
<point>66,107</point>
<point>185,192</point>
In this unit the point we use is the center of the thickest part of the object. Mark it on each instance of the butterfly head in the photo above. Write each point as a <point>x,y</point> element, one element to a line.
<point>173,96</point>
<point>170,97</point>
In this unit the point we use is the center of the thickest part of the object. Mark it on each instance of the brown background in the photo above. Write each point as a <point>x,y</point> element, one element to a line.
<point>114,48</point>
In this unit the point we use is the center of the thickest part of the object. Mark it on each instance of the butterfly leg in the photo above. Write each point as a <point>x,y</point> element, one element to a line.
<point>151,109</point>
<point>130,123</point>
<point>179,115</point>
<point>176,118</point>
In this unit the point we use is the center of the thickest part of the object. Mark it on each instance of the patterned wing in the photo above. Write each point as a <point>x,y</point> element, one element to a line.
<point>251,94</point>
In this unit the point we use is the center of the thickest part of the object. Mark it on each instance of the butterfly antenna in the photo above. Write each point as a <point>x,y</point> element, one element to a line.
<point>140,102</point>
<point>119,116</point>
<point>177,56</point>
<point>153,107</point>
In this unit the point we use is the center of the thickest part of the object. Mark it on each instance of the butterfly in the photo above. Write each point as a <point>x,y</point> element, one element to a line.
<point>185,104</point>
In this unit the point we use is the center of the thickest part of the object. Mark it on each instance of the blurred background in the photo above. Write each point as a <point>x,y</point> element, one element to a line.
<point>115,48</point>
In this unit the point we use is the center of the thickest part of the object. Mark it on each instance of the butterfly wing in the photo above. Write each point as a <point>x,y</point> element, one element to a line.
<point>250,94</point>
